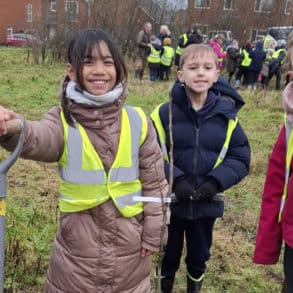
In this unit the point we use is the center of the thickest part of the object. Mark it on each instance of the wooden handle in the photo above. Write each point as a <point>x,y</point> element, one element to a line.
<point>14,126</point>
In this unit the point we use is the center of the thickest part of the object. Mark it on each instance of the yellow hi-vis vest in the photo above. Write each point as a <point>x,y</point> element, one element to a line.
<point>179,49</point>
<point>84,182</point>
<point>162,136</point>
<point>246,60</point>
<point>167,56</point>
<point>289,155</point>
<point>277,53</point>
<point>220,59</point>
<point>154,56</point>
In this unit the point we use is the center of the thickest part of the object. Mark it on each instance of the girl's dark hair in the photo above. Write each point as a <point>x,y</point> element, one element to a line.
<point>82,46</point>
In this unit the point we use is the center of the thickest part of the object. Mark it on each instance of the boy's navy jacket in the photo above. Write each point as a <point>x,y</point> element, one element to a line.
<point>198,138</point>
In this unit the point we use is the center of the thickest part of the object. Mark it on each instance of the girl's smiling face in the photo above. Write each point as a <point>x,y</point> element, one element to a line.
<point>98,72</point>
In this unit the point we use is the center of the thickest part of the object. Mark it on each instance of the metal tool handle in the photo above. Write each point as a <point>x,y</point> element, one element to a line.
<point>13,127</point>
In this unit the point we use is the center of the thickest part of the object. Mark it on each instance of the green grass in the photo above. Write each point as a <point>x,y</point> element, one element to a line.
<point>32,215</point>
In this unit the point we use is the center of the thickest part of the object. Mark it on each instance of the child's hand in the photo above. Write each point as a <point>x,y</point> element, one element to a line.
<point>145,252</point>
<point>5,115</point>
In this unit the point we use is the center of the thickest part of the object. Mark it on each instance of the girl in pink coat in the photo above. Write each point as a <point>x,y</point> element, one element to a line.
<point>276,223</point>
<point>217,44</point>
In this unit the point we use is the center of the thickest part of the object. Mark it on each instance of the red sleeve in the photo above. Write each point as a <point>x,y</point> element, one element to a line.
<point>269,234</point>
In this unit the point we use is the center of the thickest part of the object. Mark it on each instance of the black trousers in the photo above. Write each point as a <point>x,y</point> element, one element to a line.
<point>288,269</point>
<point>277,73</point>
<point>198,235</point>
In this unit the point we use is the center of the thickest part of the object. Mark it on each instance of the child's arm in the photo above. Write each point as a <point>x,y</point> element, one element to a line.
<point>153,184</point>
<point>43,139</point>
<point>236,163</point>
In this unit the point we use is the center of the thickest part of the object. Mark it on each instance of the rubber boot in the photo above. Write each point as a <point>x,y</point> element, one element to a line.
<point>193,285</point>
<point>167,284</point>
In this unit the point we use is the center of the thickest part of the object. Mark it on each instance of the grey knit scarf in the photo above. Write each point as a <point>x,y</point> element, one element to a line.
<point>78,95</point>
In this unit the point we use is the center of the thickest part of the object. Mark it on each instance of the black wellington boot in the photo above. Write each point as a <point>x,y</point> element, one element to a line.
<point>194,286</point>
<point>167,284</point>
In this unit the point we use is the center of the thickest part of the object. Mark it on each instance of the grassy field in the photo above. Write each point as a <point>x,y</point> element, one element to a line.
<point>32,214</point>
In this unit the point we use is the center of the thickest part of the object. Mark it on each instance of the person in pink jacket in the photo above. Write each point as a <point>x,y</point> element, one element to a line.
<point>276,223</point>
<point>216,43</point>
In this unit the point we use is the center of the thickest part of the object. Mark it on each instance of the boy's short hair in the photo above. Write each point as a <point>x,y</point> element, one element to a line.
<point>195,50</point>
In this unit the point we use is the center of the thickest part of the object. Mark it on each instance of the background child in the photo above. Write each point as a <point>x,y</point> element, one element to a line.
<point>243,68</point>
<point>257,56</point>
<point>107,152</point>
<point>276,217</point>
<point>217,44</point>
<point>200,117</point>
<point>167,57</point>
<point>154,58</point>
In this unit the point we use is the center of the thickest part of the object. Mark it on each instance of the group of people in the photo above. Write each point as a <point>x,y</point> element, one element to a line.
<point>154,51</point>
<point>251,64</point>
<point>157,51</point>
<point>115,166</point>
<point>256,62</point>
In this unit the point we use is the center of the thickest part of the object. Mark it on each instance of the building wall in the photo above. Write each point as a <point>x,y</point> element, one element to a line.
<point>242,20</point>
<point>13,13</point>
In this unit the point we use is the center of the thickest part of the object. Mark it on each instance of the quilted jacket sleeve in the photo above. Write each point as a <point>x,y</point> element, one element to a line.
<point>43,139</point>
<point>236,163</point>
<point>154,184</point>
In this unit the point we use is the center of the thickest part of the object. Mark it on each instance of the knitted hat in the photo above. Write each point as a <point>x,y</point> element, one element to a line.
<point>167,41</point>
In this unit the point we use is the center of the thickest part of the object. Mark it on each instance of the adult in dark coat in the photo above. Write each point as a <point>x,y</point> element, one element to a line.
<point>232,58</point>
<point>164,33</point>
<point>192,36</point>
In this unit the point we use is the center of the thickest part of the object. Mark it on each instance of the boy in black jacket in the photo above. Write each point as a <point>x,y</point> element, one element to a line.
<point>211,153</point>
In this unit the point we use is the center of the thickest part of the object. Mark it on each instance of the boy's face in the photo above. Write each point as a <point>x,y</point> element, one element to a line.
<point>199,72</point>
<point>98,73</point>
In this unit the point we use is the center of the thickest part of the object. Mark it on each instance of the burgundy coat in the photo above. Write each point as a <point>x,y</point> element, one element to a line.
<point>271,233</point>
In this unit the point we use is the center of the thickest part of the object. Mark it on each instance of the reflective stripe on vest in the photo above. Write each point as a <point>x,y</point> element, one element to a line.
<point>220,60</point>
<point>277,53</point>
<point>154,56</point>
<point>179,49</point>
<point>167,56</point>
<point>246,60</point>
<point>155,116</point>
<point>84,182</point>
<point>289,154</point>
